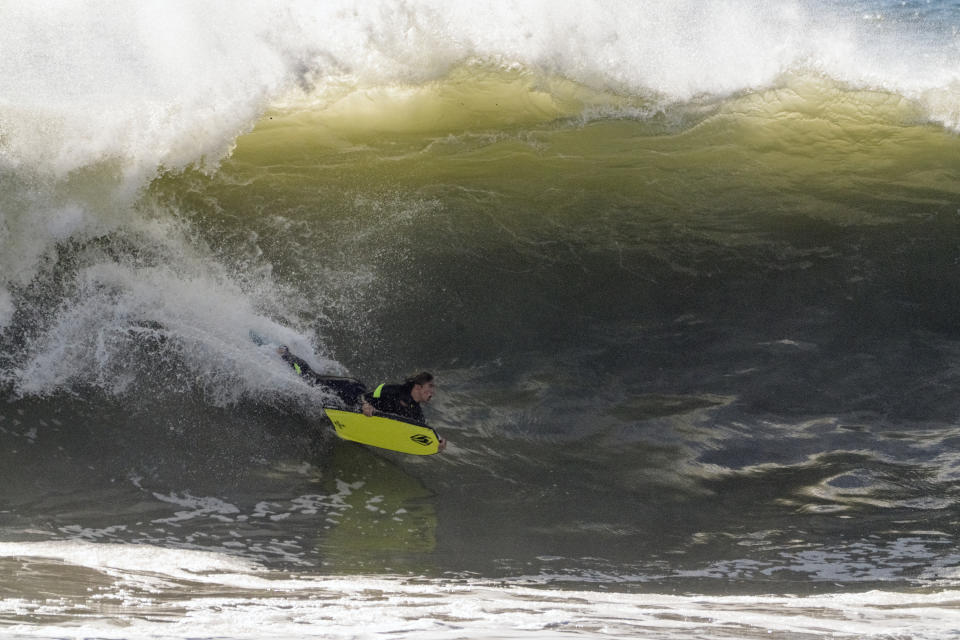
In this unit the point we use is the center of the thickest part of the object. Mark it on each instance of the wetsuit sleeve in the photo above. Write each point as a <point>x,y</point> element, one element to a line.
<point>394,399</point>
<point>348,390</point>
<point>416,413</point>
<point>384,398</point>
<point>299,364</point>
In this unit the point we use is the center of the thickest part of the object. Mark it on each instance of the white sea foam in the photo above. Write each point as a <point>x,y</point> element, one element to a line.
<point>118,304</point>
<point>172,83</point>
<point>151,596</point>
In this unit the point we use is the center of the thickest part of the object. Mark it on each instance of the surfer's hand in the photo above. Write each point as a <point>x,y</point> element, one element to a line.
<point>367,409</point>
<point>442,444</point>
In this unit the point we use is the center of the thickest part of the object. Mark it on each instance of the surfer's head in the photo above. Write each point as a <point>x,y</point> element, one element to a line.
<point>422,386</point>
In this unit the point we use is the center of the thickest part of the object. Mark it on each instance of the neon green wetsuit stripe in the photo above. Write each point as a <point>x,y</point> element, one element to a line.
<point>376,392</point>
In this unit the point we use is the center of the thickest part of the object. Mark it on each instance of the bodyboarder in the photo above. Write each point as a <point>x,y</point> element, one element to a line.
<point>402,400</point>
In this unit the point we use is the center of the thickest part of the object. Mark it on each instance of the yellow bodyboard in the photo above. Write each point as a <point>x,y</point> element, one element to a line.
<point>386,433</point>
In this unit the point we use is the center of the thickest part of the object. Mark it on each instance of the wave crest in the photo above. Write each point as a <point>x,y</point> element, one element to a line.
<point>155,84</point>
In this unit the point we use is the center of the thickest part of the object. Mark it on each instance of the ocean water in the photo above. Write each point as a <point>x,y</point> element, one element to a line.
<point>687,272</point>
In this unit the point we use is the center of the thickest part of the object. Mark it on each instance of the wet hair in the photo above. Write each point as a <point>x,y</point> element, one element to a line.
<point>418,378</point>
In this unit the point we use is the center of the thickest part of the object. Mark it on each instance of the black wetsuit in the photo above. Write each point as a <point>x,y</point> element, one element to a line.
<point>395,399</point>
<point>349,390</point>
<point>299,364</point>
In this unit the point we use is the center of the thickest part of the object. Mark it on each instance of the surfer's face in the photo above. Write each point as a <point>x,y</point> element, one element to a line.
<point>423,392</point>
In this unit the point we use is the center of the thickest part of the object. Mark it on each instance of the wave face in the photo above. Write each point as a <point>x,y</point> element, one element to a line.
<point>686,272</point>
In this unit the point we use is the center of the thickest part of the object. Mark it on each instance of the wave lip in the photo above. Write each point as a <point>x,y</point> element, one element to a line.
<point>158,85</point>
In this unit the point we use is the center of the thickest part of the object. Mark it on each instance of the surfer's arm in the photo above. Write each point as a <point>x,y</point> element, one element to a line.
<point>383,399</point>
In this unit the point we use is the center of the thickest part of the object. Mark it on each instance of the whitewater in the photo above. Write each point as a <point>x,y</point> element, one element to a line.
<point>688,274</point>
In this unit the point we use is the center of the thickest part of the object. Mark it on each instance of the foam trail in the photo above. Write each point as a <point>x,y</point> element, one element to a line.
<point>152,590</point>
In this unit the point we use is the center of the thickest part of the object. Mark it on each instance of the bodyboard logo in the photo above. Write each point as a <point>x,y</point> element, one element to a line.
<point>422,439</point>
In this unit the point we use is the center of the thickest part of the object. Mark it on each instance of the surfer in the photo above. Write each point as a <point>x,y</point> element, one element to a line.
<point>348,390</point>
<point>401,399</point>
